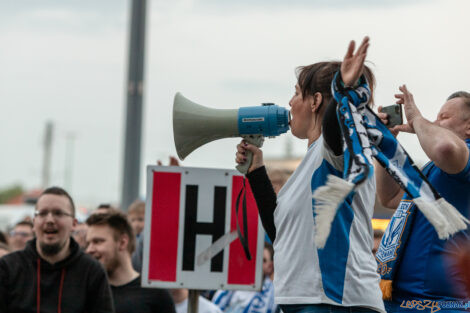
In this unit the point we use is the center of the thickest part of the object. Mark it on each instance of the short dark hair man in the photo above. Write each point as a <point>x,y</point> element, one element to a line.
<point>52,274</point>
<point>111,241</point>
<point>20,235</point>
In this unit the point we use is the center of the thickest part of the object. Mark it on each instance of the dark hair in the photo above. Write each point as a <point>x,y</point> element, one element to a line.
<point>25,223</point>
<point>317,77</point>
<point>118,222</point>
<point>59,192</point>
<point>3,238</point>
<point>378,233</point>
<point>269,247</point>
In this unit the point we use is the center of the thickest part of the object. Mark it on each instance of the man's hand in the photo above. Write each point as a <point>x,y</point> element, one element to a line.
<point>384,119</point>
<point>443,146</point>
<point>173,162</point>
<point>353,63</point>
<point>412,112</point>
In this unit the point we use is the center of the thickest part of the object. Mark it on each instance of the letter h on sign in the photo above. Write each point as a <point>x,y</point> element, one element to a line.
<point>192,227</point>
<point>190,231</point>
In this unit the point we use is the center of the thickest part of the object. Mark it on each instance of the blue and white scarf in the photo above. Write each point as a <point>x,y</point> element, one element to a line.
<point>365,136</point>
<point>230,301</point>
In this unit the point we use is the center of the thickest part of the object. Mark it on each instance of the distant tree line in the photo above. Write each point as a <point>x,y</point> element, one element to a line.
<point>10,192</point>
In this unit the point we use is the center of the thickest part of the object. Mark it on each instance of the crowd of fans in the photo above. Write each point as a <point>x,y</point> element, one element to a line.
<point>115,239</point>
<point>55,244</point>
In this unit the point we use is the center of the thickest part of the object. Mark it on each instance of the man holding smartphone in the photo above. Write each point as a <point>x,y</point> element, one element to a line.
<point>423,268</point>
<point>394,115</point>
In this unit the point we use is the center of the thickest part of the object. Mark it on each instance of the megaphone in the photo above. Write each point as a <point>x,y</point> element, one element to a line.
<point>195,125</point>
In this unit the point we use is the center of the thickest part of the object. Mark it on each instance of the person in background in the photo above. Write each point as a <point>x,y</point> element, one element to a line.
<point>52,274</point>
<point>378,234</point>
<point>20,235</point>
<point>230,301</point>
<point>268,261</point>
<point>4,249</point>
<point>103,208</point>
<point>278,178</point>
<point>79,234</point>
<point>180,296</point>
<point>423,267</point>
<point>137,256</point>
<point>110,240</point>
<point>3,238</point>
<point>136,216</point>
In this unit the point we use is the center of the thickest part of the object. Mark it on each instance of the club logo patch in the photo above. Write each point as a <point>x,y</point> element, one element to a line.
<point>391,240</point>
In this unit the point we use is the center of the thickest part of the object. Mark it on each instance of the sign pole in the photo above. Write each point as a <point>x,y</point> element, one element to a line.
<point>193,301</point>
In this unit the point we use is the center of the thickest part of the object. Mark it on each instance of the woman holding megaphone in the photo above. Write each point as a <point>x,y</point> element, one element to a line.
<point>320,268</point>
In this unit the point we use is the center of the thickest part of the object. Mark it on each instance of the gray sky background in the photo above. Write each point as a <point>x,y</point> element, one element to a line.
<point>67,62</point>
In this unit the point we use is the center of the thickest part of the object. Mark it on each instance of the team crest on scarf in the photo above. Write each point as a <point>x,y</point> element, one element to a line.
<point>391,241</point>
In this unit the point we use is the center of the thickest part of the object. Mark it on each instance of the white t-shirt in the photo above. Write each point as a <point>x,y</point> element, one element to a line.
<point>204,306</point>
<point>344,272</point>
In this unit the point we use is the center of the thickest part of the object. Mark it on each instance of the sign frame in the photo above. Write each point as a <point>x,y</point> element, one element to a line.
<point>201,278</point>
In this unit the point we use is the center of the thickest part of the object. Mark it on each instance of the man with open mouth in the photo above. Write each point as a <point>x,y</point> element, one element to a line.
<point>52,274</point>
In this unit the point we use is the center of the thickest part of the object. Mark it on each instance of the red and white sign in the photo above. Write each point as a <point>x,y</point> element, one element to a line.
<point>191,230</point>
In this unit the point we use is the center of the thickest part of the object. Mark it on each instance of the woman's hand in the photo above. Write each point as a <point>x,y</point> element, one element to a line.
<point>353,63</point>
<point>240,157</point>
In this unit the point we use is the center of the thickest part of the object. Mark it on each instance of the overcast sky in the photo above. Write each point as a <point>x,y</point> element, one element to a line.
<point>66,61</point>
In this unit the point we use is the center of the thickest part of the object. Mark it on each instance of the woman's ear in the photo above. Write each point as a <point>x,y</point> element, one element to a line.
<point>316,102</point>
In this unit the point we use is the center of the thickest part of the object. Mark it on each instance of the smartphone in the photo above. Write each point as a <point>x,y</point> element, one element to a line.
<point>395,115</point>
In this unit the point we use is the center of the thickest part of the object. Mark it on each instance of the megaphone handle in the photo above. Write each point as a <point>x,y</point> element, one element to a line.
<point>256,140</point>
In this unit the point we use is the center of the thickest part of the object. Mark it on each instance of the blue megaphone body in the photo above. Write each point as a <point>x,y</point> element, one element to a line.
<point>195,125</point>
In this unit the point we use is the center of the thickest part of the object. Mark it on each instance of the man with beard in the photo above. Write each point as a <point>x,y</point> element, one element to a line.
<point>111,241</point>
<point>52,274</point>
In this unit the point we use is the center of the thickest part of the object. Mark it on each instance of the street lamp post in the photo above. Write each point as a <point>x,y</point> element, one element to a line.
<point>134,90</point>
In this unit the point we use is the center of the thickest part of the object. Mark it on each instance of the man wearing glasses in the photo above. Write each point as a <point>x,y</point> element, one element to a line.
<point>20,235</point>
<point>52,274</point>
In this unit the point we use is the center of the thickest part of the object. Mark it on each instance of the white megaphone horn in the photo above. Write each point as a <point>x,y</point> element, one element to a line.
<point>195,125</point>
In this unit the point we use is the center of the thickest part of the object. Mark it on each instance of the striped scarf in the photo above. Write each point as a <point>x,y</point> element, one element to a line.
<point>366,137</point>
